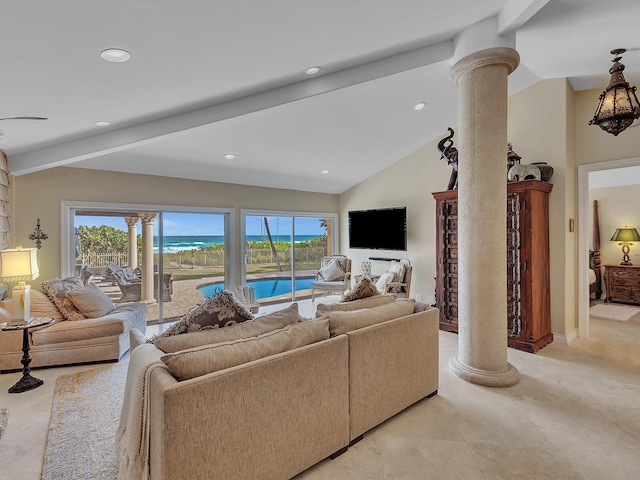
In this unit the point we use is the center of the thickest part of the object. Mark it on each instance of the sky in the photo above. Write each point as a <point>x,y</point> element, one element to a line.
<point>210,224</point>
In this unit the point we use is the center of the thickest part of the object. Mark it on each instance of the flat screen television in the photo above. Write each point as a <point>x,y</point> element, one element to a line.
<point>378,229</point>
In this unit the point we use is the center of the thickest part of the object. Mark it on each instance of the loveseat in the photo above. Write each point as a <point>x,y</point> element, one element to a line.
<point>275,415</point>
<point>101,337</point>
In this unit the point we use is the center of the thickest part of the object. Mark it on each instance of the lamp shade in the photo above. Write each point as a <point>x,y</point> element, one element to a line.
<point>625,235</point>
<point>19,265</point>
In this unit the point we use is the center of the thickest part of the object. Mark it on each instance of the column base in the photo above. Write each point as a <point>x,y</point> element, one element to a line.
<point>488,378</point>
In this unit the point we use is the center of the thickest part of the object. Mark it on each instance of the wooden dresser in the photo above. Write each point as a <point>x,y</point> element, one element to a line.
<point>528,299</point>
<point>622,283</point>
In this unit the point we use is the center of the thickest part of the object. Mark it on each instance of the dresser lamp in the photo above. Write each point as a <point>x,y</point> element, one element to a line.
<point>19,265</point>
<point>625,236</point>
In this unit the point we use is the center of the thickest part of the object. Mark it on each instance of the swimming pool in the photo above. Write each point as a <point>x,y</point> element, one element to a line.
<point>265,287</point>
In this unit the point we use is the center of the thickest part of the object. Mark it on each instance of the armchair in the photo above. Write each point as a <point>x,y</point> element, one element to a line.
<point>391,283</point>
<point>333,276</point>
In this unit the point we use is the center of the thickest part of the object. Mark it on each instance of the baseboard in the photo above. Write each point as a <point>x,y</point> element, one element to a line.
<point>566,339</point>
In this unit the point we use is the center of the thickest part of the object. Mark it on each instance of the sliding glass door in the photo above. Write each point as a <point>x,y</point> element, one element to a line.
<point>283,251</point>
<point>169,259</point>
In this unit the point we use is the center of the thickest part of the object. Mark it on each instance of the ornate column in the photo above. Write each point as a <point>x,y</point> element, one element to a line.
<point>482,192</point>
<point>147,256</point>
<point>132,242</point>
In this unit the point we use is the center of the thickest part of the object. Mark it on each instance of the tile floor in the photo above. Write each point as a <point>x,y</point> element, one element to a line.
<point>575,414</point>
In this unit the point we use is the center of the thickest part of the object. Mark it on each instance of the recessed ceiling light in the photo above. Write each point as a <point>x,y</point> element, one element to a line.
<point>115,55</point>
<point>325,171</point>
<point>420,106</point>
<point>229,156</point>
<point>312,70</point>
<point>102,124</point>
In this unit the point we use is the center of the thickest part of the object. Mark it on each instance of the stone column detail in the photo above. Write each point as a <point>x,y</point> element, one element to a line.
<point>132,241</point>
<point>147,256</point>
<point>482,192</point>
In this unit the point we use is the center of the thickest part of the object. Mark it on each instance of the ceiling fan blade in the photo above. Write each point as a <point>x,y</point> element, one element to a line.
<point>24,118</point>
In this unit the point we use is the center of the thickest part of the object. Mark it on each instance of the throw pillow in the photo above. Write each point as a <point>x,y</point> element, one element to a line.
<point>220,310</point>
<point>91,301</point>
<point>199,361</point>
<point>369,302</point>
<point>250,328</point>
<point>331,272</point>
<point>386,277</point>
<point>42,307</point>
<point>363,289</point>
<point>343,322</point>
<point>57,291</point>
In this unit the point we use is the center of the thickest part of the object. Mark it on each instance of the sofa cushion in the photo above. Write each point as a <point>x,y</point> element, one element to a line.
<point>107,326</point>
<point>202,360</point>
<point>220,310</point>
<point>343,322</point>
<point>43,307</point>
<point>57,291</point>
<point>368,302</point>
<point>91,301</point>
<point>250,328</point>
<point>363,289</point>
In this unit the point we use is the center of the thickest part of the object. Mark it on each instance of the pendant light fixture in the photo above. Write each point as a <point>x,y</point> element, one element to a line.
<point>618,106</point>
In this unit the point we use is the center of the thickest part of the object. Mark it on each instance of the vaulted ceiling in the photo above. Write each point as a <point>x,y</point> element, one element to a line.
<point>207,79</point>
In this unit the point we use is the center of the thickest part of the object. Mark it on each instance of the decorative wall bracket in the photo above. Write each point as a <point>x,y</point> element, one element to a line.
<point>38,235</point>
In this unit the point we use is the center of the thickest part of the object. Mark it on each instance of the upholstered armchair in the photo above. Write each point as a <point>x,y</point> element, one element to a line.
<point>334,276</point>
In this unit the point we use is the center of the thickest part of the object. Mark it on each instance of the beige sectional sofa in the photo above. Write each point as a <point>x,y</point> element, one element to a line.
<point>104,338</point>
<point>275,416</point>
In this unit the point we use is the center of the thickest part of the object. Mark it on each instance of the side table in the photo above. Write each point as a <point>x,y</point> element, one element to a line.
<point>27,382</point>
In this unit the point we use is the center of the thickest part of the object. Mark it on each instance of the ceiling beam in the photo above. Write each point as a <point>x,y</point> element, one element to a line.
<point>125,138</point>
<point>516,13</point>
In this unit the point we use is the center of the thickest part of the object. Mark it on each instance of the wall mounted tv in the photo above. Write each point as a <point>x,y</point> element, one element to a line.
<point>378,229</point>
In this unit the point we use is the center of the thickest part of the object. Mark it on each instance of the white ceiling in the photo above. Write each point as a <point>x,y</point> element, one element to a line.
<point>210,78</point>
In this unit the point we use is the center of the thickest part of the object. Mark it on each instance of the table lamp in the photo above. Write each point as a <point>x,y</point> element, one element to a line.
<point>19,265</point>
<point>625,236</point>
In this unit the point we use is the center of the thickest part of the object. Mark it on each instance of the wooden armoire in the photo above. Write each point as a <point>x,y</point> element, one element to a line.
<point>528,304</point>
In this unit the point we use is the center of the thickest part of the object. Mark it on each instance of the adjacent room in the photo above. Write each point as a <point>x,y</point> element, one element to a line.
<point>320,240</point>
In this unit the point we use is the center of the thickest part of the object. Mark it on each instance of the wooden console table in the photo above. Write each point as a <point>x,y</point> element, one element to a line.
<point>622,282</point>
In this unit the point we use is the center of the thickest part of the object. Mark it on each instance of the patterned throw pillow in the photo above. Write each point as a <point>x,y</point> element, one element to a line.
<point>57,291</point>
<point>220,310</point>
<point>363,289</point>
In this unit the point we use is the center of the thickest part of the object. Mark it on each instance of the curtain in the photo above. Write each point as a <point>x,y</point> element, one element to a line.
<point>5,226</point>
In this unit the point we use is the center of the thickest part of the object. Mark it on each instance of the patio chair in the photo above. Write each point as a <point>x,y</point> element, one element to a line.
<point>131,289</point>
<point>334,276</point>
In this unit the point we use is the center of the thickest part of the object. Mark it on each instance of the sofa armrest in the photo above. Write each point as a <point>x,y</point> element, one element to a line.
<point>136,337</point>
<point>392,365</point>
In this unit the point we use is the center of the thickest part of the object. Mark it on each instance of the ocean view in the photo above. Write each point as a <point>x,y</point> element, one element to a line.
<point>176,243</point>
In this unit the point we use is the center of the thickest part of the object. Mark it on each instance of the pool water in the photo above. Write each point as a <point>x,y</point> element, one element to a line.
<point>265,287</point>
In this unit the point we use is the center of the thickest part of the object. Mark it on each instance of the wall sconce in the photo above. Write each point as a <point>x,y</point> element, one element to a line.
<point>619,105</point>
<point>38,235</point>
<point>625,236</point>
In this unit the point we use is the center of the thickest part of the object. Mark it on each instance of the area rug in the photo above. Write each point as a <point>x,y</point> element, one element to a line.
<point>4,417</point>
<point>84,417</point>
<point>613,311</point>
